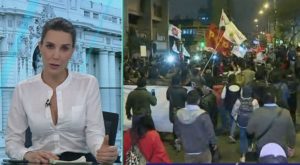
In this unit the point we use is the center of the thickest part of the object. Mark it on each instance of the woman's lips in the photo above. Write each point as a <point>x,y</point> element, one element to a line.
<point>54,66</point>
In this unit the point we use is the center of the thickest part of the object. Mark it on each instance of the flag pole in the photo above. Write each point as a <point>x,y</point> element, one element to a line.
<point>219,41</point>
<point>211,55</point>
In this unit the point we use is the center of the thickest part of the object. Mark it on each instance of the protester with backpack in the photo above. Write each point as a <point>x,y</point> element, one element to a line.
<point>241,112</point>
<point>142,144</point>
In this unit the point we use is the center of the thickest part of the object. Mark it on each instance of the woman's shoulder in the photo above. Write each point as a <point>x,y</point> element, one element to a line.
<point>34,79</point>
<point>83,76</point>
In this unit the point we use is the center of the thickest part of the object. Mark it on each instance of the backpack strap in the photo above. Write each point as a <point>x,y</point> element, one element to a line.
<point>270,125</point>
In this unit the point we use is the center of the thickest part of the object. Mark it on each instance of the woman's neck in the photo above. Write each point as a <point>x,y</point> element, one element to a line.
<point>54,80</point>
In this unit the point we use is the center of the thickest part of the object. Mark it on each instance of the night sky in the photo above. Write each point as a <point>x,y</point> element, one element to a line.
<point>185,8</point>
<point>243,12</point>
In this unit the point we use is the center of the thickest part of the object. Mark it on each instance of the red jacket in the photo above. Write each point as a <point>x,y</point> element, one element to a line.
<point>150,145</point>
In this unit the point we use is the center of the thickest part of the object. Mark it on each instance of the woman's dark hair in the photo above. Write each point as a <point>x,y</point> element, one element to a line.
<point>59,24</point>
<point>140,127</point>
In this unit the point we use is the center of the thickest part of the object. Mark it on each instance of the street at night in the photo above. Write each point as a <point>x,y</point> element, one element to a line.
<point>212,81</point>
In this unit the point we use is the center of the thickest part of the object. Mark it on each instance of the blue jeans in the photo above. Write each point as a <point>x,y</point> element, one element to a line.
<point>224,118</point>
<point>243,141</point>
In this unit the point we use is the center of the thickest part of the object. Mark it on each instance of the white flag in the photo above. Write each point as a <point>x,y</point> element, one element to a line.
<point>185,52</point>
<point>174,48</point>
<point>224,19</point>
<point>233,34</point>
<point>239,51</point>
<point>174,31</point>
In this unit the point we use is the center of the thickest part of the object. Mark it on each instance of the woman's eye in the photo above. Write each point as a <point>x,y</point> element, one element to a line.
<point>50,46</point>
<point>65,48</point>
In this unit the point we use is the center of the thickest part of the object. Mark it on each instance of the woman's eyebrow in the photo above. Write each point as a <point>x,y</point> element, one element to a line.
<point>49,42</point>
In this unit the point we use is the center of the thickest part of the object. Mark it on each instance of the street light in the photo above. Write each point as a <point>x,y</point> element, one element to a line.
<point>255,20</point>
<point>266,5</point>
<point>261,12</point>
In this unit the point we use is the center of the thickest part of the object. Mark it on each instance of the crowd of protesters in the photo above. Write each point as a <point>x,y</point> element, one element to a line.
<point>257,95</point>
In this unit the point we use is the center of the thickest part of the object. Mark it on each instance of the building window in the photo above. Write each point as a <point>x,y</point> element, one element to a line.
<point>106,17</point>
<point>95,15</point>
<point>114,19</point>
<point>157,10</point>
<point>108,40</point>
<point>86,13</point>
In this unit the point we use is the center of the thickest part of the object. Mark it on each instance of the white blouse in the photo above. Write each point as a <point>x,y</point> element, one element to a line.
<point>80,125</point>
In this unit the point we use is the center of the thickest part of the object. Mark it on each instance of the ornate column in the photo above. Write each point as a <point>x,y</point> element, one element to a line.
<point>112,81</point>
<point>104,80</point>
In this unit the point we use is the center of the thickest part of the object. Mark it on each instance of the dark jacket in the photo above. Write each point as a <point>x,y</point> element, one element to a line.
<point>281,132</point>
<point>209,104</point>
<point>232,93</point>
<point>194,127</point>
<point>176,95</point>
<point>139,100</point>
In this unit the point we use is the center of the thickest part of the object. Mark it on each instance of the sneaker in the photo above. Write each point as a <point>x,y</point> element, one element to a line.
<point>177,145</point>
<point>250,148</point>
<point>243,159</point>
<point>232,139</point>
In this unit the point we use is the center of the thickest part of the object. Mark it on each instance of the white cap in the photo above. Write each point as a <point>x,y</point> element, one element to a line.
<point>272,149</point>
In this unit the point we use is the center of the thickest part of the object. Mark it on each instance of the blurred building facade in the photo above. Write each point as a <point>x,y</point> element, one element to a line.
<point>98,46</point>
<point>146,20</point>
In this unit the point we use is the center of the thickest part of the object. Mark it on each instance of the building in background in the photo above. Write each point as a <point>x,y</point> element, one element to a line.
<point>98,47</point>
<point>193,34</point>
<point>145,23</point>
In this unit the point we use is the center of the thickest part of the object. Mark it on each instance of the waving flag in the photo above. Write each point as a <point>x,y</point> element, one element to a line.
<point>216,41</point>
<point>233,34</point>
<point>174,31</point>
<point>224,19</point>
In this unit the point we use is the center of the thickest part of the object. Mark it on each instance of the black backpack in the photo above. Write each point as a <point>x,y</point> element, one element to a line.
<point>244,112</point>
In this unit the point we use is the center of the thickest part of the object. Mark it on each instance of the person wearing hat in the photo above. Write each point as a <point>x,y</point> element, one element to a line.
<point>271,123</point>
<point>272,153</point>
<point>241,112</point>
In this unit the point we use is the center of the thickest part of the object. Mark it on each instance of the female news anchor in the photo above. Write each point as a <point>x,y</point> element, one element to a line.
<point>62,108</point>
